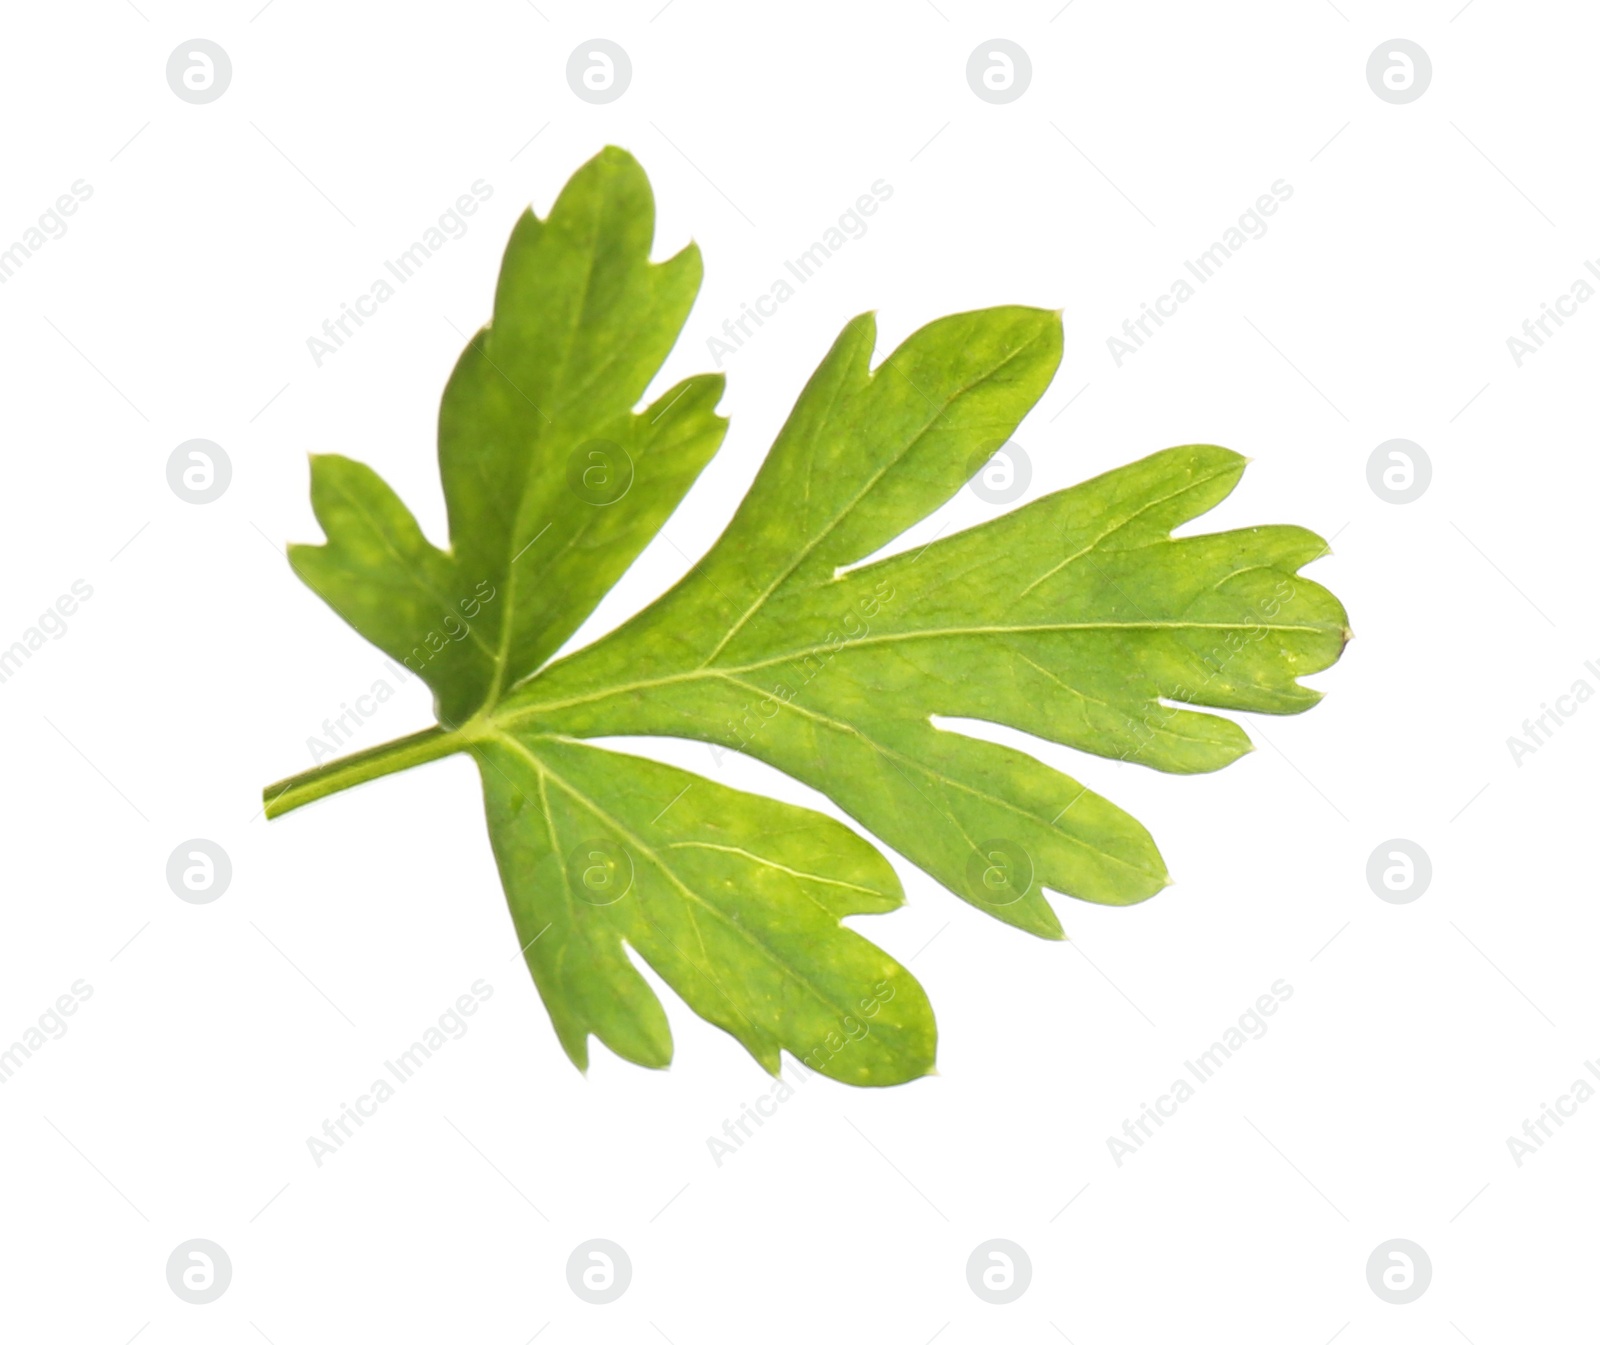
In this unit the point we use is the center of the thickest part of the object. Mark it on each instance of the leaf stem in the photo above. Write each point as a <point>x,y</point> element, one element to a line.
<point>359,767</point>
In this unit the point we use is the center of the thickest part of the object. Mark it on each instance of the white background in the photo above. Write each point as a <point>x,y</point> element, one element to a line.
<point>217,240</point>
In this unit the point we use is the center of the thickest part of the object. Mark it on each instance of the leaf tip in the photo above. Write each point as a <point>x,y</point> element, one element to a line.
<point>578,1053</point>
<point>1049,930</point>
<point>688,256</point>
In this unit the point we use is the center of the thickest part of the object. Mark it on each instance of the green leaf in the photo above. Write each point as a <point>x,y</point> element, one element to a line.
<point>553,482</point>
<point>733,899</point>
<point>1078,618</point>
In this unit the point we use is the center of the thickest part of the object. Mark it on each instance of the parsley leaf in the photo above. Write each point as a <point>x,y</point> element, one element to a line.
<point>1078,618</point>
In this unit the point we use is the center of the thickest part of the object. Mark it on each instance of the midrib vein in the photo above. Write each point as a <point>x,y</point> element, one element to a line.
<point>508,619</point>
<point>901,637</point>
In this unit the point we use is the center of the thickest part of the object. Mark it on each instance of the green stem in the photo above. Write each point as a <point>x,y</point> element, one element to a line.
<point>399,755</point>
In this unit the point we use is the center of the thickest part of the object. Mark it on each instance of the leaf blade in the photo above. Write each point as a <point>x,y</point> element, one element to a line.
<point>696,878</point>
<point>538,442</point>
<point>1079,618</point>
<point>1099,600</point>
